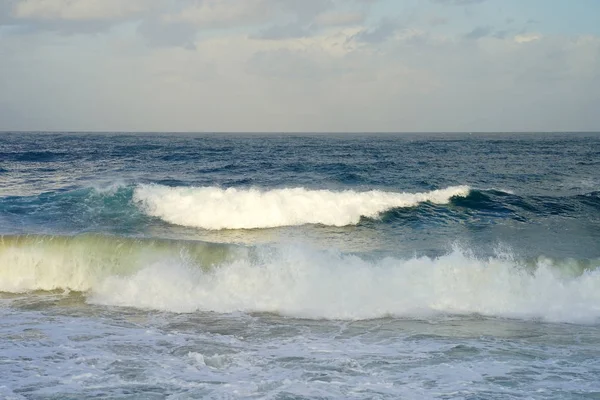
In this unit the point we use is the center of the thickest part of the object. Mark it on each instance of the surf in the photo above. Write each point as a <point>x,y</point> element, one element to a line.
<point>299,281</point>
<point>215,208</point>
<point>80,263</point>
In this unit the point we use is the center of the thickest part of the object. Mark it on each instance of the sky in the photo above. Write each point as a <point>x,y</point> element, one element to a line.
<point>300,65</point>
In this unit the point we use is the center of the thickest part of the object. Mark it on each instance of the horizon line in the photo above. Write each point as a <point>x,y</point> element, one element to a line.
<point>296,132</point>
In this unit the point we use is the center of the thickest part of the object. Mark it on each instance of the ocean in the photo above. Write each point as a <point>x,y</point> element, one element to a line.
<point>299,266</point>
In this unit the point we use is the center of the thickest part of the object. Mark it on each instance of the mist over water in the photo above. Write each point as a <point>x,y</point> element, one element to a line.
<point>382,266</point>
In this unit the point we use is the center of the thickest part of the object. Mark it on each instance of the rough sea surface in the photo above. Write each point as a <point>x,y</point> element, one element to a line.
<point>413,266</point>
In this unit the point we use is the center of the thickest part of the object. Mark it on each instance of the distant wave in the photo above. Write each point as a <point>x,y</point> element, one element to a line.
<point>298,281</point>
<point>216,208</point>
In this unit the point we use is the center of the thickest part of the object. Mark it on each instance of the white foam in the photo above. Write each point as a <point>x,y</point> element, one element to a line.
<point>298,281</point>
<point>310,284</point>
<point>216,208</point>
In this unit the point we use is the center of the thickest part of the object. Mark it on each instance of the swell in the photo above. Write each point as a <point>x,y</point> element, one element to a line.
<point>129,209</point>
<point>299,281</point>
<point>493,204</point>
<point>79,210</point>
<point>35,156</point>
<point>528,207</point>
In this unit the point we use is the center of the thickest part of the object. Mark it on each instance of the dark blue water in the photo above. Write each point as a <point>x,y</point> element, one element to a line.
<point>538,193</point>
<point>299,266</point>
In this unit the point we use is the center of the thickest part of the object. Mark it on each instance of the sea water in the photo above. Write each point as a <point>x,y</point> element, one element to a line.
<point>297,266</point>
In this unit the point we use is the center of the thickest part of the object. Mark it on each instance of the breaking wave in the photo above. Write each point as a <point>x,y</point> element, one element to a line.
<point>216,208</point>
<point>133,208</point>
<point>81,263</point>
<point>296,281</point>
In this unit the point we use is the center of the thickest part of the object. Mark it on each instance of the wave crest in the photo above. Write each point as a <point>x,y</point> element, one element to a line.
<point>214,208</point>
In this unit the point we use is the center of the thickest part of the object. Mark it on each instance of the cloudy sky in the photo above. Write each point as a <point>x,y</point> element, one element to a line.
<point>300,65</point>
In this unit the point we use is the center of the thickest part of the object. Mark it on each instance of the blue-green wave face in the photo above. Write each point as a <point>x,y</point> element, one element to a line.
<point>138,204</point>
<point>240,214</point>
<point>79,210</point>
<point>330,266</point>
<point>371,197</point>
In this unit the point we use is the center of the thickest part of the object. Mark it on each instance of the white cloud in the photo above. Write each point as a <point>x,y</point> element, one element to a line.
<point>527,37</point>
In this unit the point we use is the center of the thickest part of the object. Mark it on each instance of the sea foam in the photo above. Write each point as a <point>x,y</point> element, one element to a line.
<point>300,281</point>
<point>216,208</point>
<point>306,283</point>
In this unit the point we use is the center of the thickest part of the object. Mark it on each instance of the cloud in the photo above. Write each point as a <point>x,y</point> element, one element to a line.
<point>479,32</point>
<point>221,13</point>
<point>6,9</point>
<point>78,10</point>
<point>328,65</point>
<point>287,64</point>
<point>527,37</point>
<point>438,21</point>
<point>299,30</point>
<point>164,34</point>
<point>73,16</point>
<point>304,18</point>
<point>339,18</point>
<point>278,32</point>
<point>305,10</point>
<point>382,32</point>
<point>235,83</point>
<point>177,22</point>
